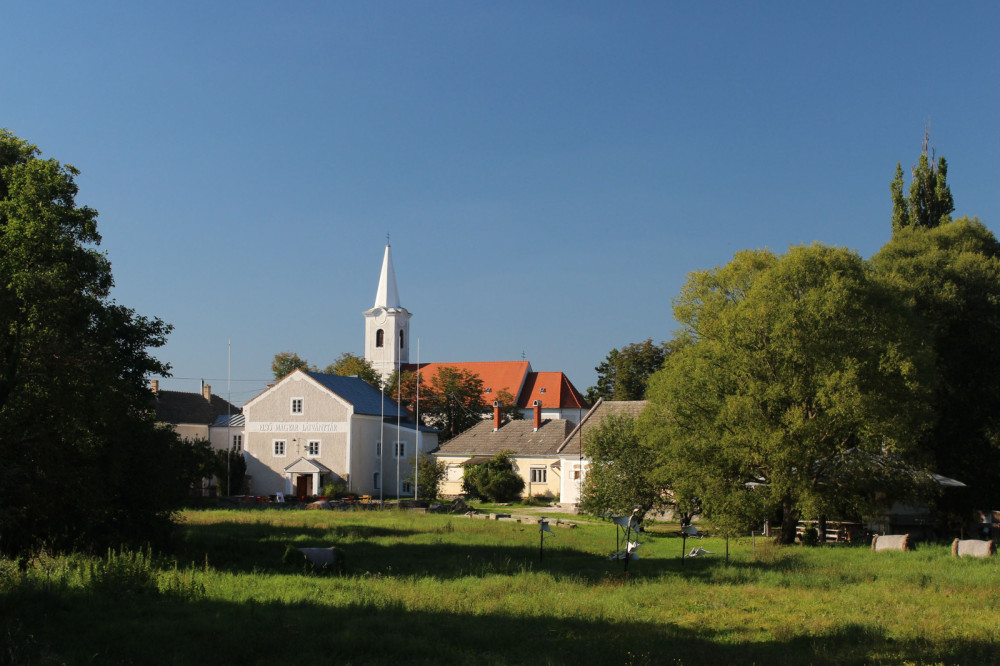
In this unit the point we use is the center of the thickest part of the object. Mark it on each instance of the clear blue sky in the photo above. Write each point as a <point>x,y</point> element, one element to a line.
<point>549,171</point>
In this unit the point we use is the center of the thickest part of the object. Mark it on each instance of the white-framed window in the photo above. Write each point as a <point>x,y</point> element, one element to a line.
<point>539,475</point>
<point>279,448</point>
<point>296,405</point>
<point>376,480</point>
<point>407,488</point>
<point>399,449</point>
<point>237,442</point>
<point>378,448</point>
<point>577,472</point>
<point>312,448</point>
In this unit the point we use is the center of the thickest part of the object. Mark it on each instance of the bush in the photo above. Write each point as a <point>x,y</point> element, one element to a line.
<point>334,489</point>
<point>494,480</point>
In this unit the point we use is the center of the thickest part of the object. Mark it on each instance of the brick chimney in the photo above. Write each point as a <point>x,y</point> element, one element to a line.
<point>206,392</point>
<point>497,415</point>
<point>154,386</point>
<point>537,405</point>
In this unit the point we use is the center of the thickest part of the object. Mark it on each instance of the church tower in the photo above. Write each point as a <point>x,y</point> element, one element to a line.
<point>387,324</point>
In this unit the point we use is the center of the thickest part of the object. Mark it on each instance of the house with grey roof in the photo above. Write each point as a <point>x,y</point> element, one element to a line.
<point>191,415</point>
<point>311,428</point>
<point>546,452</point>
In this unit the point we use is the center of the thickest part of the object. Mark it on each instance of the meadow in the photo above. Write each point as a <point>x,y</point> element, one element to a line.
<point>421,588</point>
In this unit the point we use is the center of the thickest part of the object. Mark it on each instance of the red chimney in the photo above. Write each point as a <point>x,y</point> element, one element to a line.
<point>496,415</point>
<point>538,413</point>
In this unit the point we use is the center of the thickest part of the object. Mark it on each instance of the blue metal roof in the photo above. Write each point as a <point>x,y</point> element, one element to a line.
<point>366,398</point>
<point>233,421</point>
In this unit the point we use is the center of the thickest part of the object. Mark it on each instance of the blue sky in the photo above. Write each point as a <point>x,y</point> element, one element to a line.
<point>549,172</point>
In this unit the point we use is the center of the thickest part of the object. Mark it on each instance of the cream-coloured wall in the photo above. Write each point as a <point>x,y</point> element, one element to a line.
<point>191,431</point>
<point>221,438</point>
<point>452,484</point>
<point>324,418</point>
<point>365,432</point>
<point>574,473</point>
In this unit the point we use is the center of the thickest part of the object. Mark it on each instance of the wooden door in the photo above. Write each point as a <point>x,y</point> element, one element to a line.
<point>302,486</point>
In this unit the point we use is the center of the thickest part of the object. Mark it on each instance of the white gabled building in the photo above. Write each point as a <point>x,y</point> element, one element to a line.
<point>311,428</point>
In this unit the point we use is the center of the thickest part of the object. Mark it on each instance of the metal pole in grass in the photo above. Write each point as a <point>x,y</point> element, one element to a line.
<point>684,541</point>
<point>543,527</point>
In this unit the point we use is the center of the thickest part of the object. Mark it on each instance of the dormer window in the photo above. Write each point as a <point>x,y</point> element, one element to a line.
<point>541,390</point>
<point>488,390</point>
<point>380,338</point>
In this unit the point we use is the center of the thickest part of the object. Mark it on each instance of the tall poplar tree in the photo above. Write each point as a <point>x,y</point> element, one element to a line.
<point>930,202</point>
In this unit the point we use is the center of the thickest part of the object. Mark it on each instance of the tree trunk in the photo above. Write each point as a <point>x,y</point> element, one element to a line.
<point>789,521</point>
<point>821,529</point>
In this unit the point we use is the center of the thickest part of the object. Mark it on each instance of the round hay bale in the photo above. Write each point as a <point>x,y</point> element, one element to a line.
<point>891,542</point>
<point>973,548</point>
<point>320,505</point>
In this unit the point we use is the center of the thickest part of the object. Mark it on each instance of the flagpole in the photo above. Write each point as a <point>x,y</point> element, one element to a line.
<point>416,458</point>
<point>399,415</point>
<point>229,415</point>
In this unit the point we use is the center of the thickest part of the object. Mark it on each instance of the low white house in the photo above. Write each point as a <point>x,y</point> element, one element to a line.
<point>310,428</point>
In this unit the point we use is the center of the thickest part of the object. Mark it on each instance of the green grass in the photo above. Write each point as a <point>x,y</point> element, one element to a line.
<point>444,589</point>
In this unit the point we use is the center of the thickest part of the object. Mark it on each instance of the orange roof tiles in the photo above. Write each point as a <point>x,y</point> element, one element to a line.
<point>495,375</point>
<point>554,390</point>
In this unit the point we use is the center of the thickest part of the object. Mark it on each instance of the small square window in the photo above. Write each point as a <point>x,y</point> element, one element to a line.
<point>407,487</point>
<point>312,448</point>
<point>296,405</point>
<point>279,448</point>
<point>541,390</point>
<point>399,449</point>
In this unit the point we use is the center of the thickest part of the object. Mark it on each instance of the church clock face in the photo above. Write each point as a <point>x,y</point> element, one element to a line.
<point>380,316</point>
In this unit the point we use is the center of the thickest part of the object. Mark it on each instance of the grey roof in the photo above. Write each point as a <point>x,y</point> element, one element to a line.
<point>232,421</point>
<point>179,407</point>
<point>518,436</point>
<point>593,418</point>
<point>366,398</point>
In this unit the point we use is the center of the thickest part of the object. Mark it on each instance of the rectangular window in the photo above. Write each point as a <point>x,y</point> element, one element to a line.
<point>238,442</point>
<point>399,449</point>
<point>377,480</point>
<point>312,448</point>
<point>378,448</point>
<point>279,448</point>
<point>296,405</point>
<point>539,474</point>
<point>407,487</point>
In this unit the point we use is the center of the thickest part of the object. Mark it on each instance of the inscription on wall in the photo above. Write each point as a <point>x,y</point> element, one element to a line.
<point>297,427</point>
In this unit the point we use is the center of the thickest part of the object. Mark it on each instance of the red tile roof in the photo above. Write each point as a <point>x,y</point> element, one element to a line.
<point>554,389</point>
<point>495,375</point>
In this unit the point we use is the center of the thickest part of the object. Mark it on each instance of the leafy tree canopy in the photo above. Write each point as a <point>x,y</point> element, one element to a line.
<point>801,376</point>
<point>352,365</point>
<point>624,374</point>
<point>619,478</point>
<point>287,362</point>
<point>451,400</point>
<point>951,275</point>
<point>74,405</point>
<point>494,480</point>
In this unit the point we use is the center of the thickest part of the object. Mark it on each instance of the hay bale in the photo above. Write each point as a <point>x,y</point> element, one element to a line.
<point>330,559</point>
<point>892,542</point>
<point>320,505</point>
<point>973,548</point>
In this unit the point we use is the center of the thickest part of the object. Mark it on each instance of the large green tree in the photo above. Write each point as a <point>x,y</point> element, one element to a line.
<point>951,274</point>
<point>75,426</point>
<point>348,364</point>
<point>625,372</point>
<point>451,400</point>
<point>619,478</point>
<point>930,202</point>
<point>800,376</point>
<point>287,362</point>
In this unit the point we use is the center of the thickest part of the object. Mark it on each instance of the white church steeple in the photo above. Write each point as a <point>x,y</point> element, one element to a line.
<point>387,324</point>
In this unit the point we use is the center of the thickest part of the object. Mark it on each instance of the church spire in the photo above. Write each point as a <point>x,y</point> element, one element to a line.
<point>387,295</point>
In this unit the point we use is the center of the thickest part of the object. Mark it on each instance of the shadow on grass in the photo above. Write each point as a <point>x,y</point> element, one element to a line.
<point>154,629</point>
<point>257,547</point>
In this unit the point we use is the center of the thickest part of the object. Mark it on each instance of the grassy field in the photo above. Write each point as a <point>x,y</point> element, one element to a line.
<point>440,589</point>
